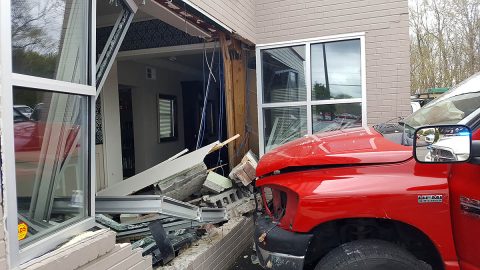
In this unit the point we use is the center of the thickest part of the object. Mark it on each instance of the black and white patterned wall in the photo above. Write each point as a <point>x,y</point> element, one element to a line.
<point>98,122</point>
<point>148,34</point>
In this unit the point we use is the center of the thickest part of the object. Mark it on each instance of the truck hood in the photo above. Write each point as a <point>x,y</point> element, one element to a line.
<point>342,147</point>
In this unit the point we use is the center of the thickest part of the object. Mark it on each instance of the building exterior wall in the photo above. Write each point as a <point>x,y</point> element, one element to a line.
<point>385,24</point>
<point>236,14</point>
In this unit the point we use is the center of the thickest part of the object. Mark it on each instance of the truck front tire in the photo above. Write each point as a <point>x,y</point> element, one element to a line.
<point>370,254</point>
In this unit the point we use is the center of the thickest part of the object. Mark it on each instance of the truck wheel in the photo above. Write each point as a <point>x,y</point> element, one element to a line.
<point>370,255</point>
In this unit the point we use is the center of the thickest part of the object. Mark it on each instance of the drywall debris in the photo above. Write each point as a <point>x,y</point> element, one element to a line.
<point>183,184</point>
<point>163,170</point>
<point>217,183</point>
<point>157,173</point>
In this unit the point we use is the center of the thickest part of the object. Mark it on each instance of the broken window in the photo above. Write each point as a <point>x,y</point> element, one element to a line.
<point>48,169</point>
<point>333,99</point>
<point>167,118</point>
<point>51,161</point>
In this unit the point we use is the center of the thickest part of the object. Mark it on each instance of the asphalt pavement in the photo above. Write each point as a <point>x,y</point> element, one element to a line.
<point>244,261</point>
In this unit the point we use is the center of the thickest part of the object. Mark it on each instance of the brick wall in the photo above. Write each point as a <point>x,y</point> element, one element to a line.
<point>237,14</point>
<point>385,23</point>
<point>219,250</point>
<point>93,250</point>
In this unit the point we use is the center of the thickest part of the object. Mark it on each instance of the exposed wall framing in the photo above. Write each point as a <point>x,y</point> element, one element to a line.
<point>234,59</point>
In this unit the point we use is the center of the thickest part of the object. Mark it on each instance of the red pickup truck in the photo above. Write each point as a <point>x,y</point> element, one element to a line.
<point>402,195</point>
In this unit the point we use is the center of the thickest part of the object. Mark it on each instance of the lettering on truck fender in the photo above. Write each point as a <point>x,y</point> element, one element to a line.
<point>430,198</point>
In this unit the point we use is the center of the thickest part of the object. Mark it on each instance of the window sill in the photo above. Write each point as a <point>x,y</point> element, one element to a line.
<point>78,251</point>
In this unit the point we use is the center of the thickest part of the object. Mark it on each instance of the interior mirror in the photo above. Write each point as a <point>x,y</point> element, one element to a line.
<point>442,144</point>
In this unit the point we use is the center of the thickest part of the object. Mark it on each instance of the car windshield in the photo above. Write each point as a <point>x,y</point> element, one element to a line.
<point>451,107</point>
<point>24,109</point>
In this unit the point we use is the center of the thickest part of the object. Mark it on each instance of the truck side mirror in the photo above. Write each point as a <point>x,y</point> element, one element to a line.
<point>442,144</point>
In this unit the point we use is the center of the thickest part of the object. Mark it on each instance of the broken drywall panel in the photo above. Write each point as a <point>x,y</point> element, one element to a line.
<point>217,183</point>
<point>158,172</point>
<point>184,151</point>
<point>183,184</point>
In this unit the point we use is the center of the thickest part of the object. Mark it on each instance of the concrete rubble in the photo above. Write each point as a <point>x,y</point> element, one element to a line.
<point>217,183</point>
<point>244,173</point>
<point>169,213</point>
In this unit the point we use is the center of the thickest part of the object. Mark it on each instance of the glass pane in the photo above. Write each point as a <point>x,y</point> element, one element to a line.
<point>283,71</point>
<point>110,38</point>
<point>282,125</point>
<point>336,116</point>
<point>51,158</point>
<point>50,39</point>
<point>336,70</point>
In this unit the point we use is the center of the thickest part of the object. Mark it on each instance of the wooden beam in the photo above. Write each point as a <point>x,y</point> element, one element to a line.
<point>229,96</point>
<point>240,94</point>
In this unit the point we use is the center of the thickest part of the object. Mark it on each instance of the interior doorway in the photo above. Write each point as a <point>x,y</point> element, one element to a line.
<point>214,126</point>
<point>126,129</point>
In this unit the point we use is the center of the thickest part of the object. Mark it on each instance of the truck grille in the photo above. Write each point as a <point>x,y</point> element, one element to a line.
<point>275,201</point>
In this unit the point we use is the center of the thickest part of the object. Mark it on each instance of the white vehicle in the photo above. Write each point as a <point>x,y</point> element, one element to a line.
<point>429,138</point>
<point>442,150</point>
<point>415,106</point>
<point>24,109</point>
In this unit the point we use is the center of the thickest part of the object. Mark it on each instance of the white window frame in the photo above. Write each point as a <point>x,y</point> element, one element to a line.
<point>309,102</point>
<point>22,257</point>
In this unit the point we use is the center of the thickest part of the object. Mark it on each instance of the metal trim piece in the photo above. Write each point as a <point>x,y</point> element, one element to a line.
<point>208,215</point>
<point>157,204</point>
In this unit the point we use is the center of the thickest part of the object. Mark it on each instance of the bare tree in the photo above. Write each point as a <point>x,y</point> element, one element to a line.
<point>445,42</point>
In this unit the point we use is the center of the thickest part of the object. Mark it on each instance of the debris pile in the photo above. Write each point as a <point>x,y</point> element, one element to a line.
<point>166,208</point>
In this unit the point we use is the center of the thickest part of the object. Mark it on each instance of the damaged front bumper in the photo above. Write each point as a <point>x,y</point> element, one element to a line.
<point>280,249</point>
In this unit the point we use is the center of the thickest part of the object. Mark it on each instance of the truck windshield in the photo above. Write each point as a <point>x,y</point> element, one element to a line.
<point>449,108</point>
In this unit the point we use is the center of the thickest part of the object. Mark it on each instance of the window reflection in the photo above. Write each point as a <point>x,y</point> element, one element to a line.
<point>336,116</point>
<point>50,39</point>
<point>283,71</point>
<point>51,160</point>
<point>336,70</point>
<point>283,125</point>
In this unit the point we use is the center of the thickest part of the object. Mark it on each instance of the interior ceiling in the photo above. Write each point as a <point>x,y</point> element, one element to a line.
<point>164,10</point>
<point>191,61</point>
<point>191,64</point>
<point>107,13</point>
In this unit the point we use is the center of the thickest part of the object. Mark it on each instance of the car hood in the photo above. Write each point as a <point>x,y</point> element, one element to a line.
<point>342,147</point>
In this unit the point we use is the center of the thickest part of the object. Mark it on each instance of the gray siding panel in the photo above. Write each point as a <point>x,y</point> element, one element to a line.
<point>236,14</point>
<point>385,23</point>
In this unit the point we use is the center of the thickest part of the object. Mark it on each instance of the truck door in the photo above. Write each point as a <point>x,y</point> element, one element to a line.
<point>465,202</point>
